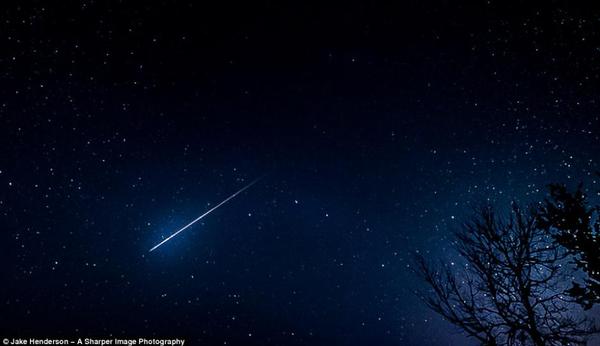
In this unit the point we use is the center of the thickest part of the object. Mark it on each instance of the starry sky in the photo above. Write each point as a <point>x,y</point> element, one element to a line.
<point>377,127</point>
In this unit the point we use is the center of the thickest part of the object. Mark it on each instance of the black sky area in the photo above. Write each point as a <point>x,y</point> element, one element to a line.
<point>378,126</point>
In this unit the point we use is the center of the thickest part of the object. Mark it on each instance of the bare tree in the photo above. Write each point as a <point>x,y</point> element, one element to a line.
<point>508,288</point>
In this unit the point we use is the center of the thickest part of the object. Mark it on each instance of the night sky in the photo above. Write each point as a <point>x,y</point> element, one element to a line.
<point>376,128</point>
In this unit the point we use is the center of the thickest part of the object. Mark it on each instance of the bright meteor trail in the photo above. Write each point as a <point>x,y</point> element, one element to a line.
<point>203,215</point>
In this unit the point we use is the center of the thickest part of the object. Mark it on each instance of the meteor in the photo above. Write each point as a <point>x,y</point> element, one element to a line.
<point>203,215</point>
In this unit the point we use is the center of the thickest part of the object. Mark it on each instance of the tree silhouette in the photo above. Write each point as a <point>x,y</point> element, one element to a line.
<point>576,227</point>
<point>508,288</point>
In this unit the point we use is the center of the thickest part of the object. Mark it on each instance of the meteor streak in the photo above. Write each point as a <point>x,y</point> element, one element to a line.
<point>203,215</point>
